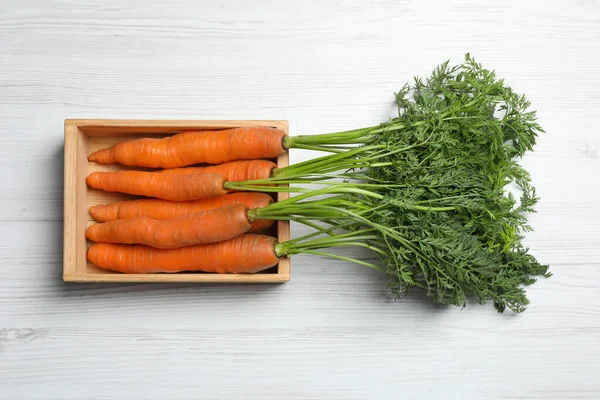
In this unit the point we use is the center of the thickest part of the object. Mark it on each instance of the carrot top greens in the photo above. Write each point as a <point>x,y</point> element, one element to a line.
<point>427,190</point>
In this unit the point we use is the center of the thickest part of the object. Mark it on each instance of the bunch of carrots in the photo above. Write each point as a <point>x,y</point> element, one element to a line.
<point>424,191</point>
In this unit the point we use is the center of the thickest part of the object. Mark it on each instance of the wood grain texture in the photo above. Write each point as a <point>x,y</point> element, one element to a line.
<point>333,331</point>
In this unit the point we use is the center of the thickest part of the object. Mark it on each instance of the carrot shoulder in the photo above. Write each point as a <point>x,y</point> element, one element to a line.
<point>165,209</point>
<point>206,227</point>
<point>175,187</point>
<point>248,253</point>
<point>195,147</point>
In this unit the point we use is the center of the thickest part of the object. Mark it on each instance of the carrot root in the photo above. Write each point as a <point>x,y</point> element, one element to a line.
<point>244,254</point>
<point>175,187</point>
<point>165,209</point>
<point>195,147</point>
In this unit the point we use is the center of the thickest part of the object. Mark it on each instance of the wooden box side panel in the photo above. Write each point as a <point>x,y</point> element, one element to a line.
<point>81,191</point>
<point>75,200</point>
<point>119,127</point>
<point>70,202</point>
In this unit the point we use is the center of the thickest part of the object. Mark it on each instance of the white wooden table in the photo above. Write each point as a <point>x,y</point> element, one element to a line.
<point>333,331</point>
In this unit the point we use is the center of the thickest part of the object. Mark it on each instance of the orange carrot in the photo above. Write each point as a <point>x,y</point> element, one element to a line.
<point>165,209</point>
<point>206,227</point>
<point>176,187</point>
<point>247,253</point>
<point>195,147</point>
<point>233,171</point>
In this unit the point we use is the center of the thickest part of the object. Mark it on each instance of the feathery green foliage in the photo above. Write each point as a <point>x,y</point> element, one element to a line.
<point>427,190</point>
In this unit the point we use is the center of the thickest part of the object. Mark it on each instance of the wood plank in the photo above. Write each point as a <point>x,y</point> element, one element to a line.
<point>107,127</point>
<point>191,363</point>
<point>70,233</point>
<point>81,208</point>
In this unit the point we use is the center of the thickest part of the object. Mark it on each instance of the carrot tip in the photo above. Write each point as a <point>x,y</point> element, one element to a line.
<point>92,179</point>
<point>88,232</point>
<point>104,156</point>
<point>94,212</point>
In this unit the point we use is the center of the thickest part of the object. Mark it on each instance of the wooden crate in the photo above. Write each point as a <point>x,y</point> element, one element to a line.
<point>82,137</point>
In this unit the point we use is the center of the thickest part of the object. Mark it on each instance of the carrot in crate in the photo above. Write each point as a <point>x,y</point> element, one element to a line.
<point>246,253</point>
<point>165,209</point>
<point>146,183</point>
<point>175,187</point>
<point>196,147</point>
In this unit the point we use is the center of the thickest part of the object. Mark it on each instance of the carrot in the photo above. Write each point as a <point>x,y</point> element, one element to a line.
<point>165,209</point>
<point>195,147</point>
<point>233,171</point>
<point>206,227</point>
<point>247,253</point>
<point>176,187</point>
